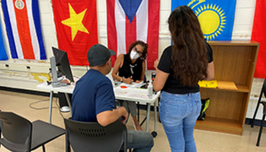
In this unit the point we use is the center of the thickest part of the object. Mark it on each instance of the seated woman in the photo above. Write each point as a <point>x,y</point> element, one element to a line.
<point>130,68</point>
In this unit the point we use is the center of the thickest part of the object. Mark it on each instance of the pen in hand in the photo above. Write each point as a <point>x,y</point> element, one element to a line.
<point>128,80</point>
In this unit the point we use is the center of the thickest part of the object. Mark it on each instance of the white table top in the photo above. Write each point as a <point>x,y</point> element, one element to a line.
<point>130,94</point>
<point>64,89</point>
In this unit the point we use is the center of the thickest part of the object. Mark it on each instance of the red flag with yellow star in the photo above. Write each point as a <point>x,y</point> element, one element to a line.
<point>76,28</point>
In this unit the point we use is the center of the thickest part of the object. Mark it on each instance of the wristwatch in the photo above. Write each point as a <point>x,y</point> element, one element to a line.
<point>121,80</point>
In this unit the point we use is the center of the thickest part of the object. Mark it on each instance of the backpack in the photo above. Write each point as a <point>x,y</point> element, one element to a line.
<point>204,105</point>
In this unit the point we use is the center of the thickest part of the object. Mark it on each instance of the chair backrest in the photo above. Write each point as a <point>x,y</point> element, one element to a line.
<point>91,136</point>
<point>263,90</point>
<point>16,130</point>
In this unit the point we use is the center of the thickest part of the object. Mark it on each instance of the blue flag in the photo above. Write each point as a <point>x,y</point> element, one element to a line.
<point>3,55</point>
<point>216,17</point>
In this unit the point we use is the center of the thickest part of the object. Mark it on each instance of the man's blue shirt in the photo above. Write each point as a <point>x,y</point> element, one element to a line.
<point>92,95</point>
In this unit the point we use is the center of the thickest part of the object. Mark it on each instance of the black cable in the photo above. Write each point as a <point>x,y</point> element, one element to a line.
<point>35,102</point>
<point>57,104</point>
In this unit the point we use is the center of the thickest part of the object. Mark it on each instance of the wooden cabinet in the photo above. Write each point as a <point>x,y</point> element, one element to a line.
<point>234,63</point>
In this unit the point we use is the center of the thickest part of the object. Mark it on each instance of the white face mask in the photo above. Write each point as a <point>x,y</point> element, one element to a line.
<point>134,55</point>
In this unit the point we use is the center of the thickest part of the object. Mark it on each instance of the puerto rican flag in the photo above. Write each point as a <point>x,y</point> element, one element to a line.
<point>131,20</point>
<point>23,28</point>
<point>259,35</point>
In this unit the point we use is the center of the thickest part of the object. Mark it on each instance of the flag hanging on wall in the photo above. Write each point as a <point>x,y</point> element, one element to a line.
<point>131,20</point>
<point>76,28</point>
<point>259,35</point>
<point>22,20</point>
<point>216,17</point>
<point>3,55</point>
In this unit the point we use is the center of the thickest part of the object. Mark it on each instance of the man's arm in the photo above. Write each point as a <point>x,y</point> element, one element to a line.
<point>107,117</point>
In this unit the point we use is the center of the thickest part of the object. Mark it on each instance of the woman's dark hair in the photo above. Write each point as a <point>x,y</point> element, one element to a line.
<point>189,53</point>
<point>141,43</point>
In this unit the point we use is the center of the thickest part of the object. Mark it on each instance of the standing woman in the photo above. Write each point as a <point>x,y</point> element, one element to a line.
<point>130,68</point>
<point>180,68</point>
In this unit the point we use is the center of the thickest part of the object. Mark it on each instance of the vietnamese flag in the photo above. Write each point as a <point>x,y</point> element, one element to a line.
<point>76,28</point>
<point>259,35</point>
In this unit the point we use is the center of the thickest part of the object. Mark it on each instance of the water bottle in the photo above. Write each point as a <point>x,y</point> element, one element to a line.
<point>153,74</point>
<point>150,90</point>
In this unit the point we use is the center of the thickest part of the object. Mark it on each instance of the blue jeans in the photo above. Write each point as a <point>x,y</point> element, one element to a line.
<point>178,114</point>
<point>140,141</point>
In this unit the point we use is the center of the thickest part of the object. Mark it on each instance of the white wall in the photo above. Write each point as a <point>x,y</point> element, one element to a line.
<point>18,76</point>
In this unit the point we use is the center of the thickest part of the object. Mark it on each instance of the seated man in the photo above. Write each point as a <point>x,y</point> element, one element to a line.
<point>93,98</point>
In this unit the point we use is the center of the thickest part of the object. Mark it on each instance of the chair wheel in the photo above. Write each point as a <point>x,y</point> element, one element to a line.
<point>154,134</point>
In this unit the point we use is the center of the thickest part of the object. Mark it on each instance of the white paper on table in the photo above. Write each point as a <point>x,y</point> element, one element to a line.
<point>133,85</point>
<point>132,92</point>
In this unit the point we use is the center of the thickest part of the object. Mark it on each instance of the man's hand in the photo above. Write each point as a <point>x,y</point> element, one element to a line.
<point>124,119</point>
<point>124,115</point>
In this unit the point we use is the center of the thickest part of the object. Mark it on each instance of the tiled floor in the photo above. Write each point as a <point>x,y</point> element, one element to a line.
<point>33,107</point>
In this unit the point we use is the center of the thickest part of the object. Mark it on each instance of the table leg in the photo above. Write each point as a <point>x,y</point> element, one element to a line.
<point>51,106</point>
<point>69,104</point>
<point>148,116</point>
<point>154,133</point>
<point>138,110</point>
<point>155,115</point>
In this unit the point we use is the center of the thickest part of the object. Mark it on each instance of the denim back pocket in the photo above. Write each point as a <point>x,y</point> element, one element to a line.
<point>175,105</point>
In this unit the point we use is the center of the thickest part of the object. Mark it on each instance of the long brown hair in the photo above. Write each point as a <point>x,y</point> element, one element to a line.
<point>189,53</point>
<point>141,43</point>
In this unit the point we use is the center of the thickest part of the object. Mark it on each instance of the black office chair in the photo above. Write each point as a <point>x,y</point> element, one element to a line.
<point>263,91</point>
<point>19,134</point>
<point>91,136</point>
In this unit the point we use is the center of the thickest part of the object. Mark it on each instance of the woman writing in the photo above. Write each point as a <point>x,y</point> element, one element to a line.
<point>180,68</point>
<point>129,68</point>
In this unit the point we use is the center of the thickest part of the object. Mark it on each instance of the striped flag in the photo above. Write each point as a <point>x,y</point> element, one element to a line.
<point>76,28</point>
<point>131,20</point>
<point>216,17</point>
<point>23,28</point>
<point>3,55</point>
<point>259,35</point>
